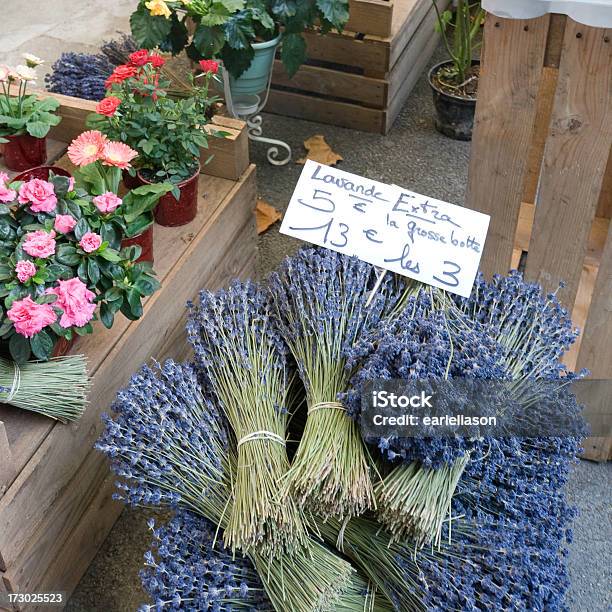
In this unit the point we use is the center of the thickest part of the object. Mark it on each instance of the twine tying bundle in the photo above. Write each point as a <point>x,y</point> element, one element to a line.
<point>326,406</point>
<point>16,383</point>
<point>261,435</point>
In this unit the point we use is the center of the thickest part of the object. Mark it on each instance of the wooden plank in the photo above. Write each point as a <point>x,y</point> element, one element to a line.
<point>8,471</point>
<point>410,66</point>
<point>371,17</point>
<point>604,208</point>
<point>341,114</point>
<point>596,241</point>
<point>596,346</point>
<point>49,471</point>
<point>334,83</point>
<point>505,114</point>
<point>554,44</point>
<point>575,160</point>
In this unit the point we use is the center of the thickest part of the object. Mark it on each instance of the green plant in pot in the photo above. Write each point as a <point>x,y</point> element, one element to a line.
<point>455,82</point>
<point>167,133</point>
<point>25,120</point>
<point>243,34</point>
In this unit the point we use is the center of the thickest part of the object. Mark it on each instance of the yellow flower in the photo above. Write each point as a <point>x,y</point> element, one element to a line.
<point>158,7</point>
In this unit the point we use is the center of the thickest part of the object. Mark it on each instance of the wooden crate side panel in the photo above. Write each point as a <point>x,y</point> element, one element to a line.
<point>8,470</point>
<point>575,160</point>
<point>371,17</point>
<point>371,55</point>
<point>39,566</point>
<point>604,208</point>
<point>512,63</point>
<point>335,84</point>
<point>596,346</point>
<point>53,464</point>
<point>341,114</point>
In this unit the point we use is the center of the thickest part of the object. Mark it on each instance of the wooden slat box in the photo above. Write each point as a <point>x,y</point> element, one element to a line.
<point>541,166</point>
<point>56,503</point>
<point>360,81</point>
<point>371,17</point>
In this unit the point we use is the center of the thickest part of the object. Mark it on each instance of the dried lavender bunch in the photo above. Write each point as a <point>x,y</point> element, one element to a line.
<point>510,544</point>
<point>321,299</point>
<point>188,569</point>
<point>81,75</point>
<point>414,499</point>
<point>243,360</point>
<point>117,51</point>
<point>169,445</point>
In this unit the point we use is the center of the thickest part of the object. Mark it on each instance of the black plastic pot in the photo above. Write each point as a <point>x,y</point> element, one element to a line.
<point>454,114</point>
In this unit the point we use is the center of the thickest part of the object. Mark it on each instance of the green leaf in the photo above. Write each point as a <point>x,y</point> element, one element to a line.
<point>139,225</point>
<point>93,271</point>
<point>237,61</point>
<point>47,104</point>
<point>38,129</point>
<point>19,347</point>
<point>47,299</point>
<point>293,52</point>
<point>42,345</point>
<point>178,37</point>
<point>81,228</point>
<point>111,255</point>
<point>147,285</point>
<point>239,31</point>
<point>334,11</point>
<point>207,41</point>
<point>148,30</point>
<point>107,316</point>
<point>135,303</point>
<point>284,8</point>
<point>58,271</point>
<point>67,255</point>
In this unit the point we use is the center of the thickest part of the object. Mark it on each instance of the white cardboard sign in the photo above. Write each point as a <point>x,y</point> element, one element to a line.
<point>434,242</point>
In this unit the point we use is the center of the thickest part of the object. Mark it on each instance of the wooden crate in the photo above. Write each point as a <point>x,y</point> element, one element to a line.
<point>358,80</point>
<point>371,17</point>
<point>541,166</point>
<point>56,504</point>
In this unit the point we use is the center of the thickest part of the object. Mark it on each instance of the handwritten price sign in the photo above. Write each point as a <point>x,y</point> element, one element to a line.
<point>429,240</point>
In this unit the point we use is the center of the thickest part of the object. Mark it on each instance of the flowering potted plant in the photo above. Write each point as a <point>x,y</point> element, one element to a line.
<point>167,133</point>
<point>244,34</point>
<point>25,120</point>
<point>455,82</point>
<point>121,221</point>
<point>56,271</point>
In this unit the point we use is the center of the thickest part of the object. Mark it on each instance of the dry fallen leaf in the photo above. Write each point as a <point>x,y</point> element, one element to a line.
<point>265,215</point>
<point>319,151</point>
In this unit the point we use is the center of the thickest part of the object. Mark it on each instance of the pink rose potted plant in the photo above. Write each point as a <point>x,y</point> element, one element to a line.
<point>122,221</point>
<point>57,272</point>
<point>25,120</point>
<point>167,133</point>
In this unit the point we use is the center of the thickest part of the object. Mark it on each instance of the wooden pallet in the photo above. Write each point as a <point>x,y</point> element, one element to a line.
<point>541,166</point>
<point>358,80</point>
<point>56,504</point>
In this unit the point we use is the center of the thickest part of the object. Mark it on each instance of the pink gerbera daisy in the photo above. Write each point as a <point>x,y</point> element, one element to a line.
<point>87,148</point>
<point>118,154</point>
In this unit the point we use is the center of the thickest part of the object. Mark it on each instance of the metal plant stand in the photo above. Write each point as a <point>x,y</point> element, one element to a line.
<point>248,107</point>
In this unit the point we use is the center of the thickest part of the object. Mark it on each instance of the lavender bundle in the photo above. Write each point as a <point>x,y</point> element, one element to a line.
<point>188,569</point>
<point>243,361</point>
<point>57,388</point>
<point>81,75</point>
<point>170,448</point>
<point>414,499</point>
<point>321,299</point>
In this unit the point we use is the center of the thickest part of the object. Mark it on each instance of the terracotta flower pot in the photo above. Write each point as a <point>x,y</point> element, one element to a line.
<point>41,172</point>
<point>144,241</point>
<point>24,151</point>
<point>62,346</point>
<point>171,212</point>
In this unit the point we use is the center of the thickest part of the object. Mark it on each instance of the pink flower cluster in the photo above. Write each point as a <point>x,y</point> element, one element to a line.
<point>90,242</point>
<point>39,194</point>
<point>107,202</point>
<point>73,298</point>
<point>39,244</point>
<point>6,194</point>
<point>94,146</point>
<point>25,270</point>
<point>64,223</point>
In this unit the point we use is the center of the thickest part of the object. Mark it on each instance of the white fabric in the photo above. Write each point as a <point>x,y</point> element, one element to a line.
<point>596,13</point>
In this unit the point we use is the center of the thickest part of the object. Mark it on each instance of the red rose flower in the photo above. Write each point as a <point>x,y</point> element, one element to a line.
<point>139,58</point>
<point>209,66</point>
<point>108,106</point>
<point>121,73</point>
<point>157,60</point>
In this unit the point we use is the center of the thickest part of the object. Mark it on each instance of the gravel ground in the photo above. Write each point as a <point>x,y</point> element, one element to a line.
<point>416,156</point>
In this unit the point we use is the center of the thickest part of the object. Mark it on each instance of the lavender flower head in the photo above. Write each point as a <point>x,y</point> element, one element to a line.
<point>189,569</point>
<point>167,442</point>
<point>81,75</point>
